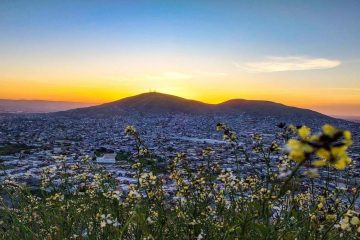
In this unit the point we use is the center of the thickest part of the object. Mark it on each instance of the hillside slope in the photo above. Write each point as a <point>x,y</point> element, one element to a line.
<point>158,103</point>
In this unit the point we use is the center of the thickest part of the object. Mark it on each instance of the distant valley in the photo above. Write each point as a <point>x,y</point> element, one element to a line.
<point>349,118</point>
<point>37,106</point>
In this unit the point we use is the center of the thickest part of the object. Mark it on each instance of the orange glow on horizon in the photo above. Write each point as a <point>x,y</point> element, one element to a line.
<point>96,93</point>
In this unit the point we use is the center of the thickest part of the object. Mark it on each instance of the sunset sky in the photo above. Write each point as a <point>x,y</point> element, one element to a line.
<point>300,53</point>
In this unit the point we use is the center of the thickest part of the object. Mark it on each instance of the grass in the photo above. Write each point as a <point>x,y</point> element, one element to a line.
<point>82,201</point>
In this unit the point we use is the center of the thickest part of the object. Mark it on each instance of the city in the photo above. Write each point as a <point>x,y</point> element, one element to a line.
<point>44,137</point>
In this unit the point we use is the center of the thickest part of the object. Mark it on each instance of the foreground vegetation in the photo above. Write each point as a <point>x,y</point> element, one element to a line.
<point>81,201</point>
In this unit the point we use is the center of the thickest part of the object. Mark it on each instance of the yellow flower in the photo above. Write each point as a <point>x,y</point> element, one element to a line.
<point>298,150</point>
<point>304,132</point>
<point>336,157</point>
<point>340,157</point>
<point>312,173</point>
<point>130,130</point>
<point>323,153</point>
<point>347,138</point>
<point>292,128</point>
<point>347,135</point>
<point>331,217</point>
<point>329,130</point>
<point>342,163</point>
<point>319,163</point>
<point>208,151</point>
<point>339,151</point>
<point>314,138</point>
<point>344,226</point>
<point>355,221</point>
<point>136,165</point>
<point>220,126</point>
<point>320,205</point>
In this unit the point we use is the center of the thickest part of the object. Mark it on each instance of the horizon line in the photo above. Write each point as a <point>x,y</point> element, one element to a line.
<point>89,104</point>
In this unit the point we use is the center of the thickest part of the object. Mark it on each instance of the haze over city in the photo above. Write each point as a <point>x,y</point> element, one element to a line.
<point>297,53</point>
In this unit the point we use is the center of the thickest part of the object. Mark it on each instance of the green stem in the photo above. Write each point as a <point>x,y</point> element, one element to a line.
<point>293,173</point>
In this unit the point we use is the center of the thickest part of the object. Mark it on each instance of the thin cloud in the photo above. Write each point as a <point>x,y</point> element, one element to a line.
<point>292,63</point>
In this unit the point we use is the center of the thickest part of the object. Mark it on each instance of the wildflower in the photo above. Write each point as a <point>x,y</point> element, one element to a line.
<point>257,137</point>
<point>149,237</point>
<point>298,150</point>
<point>345,226</point>
<point>60,158</point>
<point>304,132</point>
<point>312,173</point>
<point>136,165</point>
<point>116,223</point>
<point>130,130</point>
<point>355,220</point>
<point>220,127</point>
<point>143,151</point>
<point>292,129</point>
<point>275,147</point>
<point>336,157</point>
<point>331,217</point>
<point>329,147</point>
<point>208,151</point>
<point>116,195</point>
<point>229,135</point>
<point>200,236</point>
<point>57,197</point>
<point>329,130</point>
<point>105,219</point>
<point>149,220</point>
<point>147,179</point>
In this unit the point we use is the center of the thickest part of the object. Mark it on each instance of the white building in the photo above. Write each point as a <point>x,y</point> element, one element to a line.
<point>107,158</point>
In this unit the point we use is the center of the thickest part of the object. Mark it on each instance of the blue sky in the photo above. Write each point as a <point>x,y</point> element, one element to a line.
<point>299,27</point>
<point>313,42</point>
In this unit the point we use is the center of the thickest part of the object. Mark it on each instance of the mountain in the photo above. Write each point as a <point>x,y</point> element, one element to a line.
<point>147,103</point>
<point>37,106</point>
<point>268,108</point>
<point>157,103</point>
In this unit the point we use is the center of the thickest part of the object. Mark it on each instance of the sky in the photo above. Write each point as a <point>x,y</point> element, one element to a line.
<point>299,53</point>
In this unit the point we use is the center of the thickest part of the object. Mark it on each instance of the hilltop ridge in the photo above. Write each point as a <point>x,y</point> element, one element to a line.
<point>158,103</point>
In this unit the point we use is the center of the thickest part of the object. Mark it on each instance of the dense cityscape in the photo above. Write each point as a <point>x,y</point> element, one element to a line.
<point>29,143</point>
